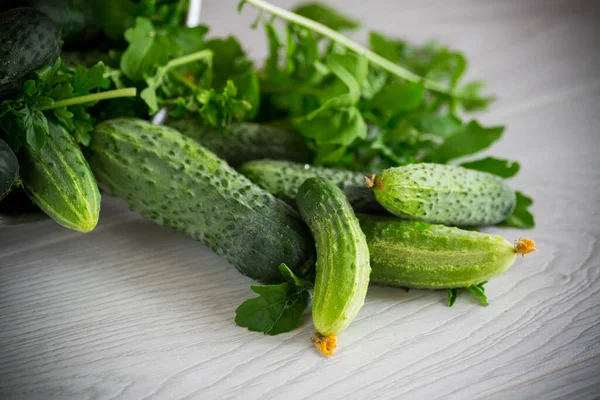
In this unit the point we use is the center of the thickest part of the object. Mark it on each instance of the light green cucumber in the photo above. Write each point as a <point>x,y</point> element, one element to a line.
<point>283,178</point>
<point>342,269</point>
<point>417,254</point>
<point>444,194</point>
<point>58,179</point>
<point>243,142</point>
<point>171,179</point>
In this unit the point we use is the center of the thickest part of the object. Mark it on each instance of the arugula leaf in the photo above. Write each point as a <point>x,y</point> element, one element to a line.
<point>56,92</point>
<point>278,308</point>
<point>452,293</point>
<point>479,292</point>
<point>521,217</point>
<point>496,166</point>
<point>229,60</point>
<point>438,125</point>
<point>398,97</point>
<point>469,140</point>
<point>327,16</point>
<point>148,48</point>
<point>469,97</point>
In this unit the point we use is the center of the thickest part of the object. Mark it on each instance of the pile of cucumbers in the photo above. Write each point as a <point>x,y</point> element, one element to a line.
<point>252,196</point>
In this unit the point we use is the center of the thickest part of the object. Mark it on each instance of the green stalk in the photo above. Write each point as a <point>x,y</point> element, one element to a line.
<point>350,44</point>
<point>88,98</point>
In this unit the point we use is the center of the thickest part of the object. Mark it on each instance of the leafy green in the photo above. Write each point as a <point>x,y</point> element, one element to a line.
<point>471,139</point>
<point>452,293</point>
<point>476,290</point>
<point>521,216</point>
<point>479,292</point>
<point>278,308</point>
<point>327,16</point>
<point>496,166</point>
<point>61,93</point>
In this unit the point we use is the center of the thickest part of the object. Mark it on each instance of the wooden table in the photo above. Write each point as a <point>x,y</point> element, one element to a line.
<point>135,311</point>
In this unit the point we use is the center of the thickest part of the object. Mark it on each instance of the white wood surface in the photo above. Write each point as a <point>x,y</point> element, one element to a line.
<point>136,311</point>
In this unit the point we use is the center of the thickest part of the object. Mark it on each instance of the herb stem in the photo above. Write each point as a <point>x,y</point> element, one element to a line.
<point>350,44</point>
<point>199,55</point>
<point>88,98</point>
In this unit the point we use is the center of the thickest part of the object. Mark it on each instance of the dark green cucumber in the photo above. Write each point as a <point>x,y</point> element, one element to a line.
<point>29,40</point>
<point>245,142</point>
<point>444,194</point>
<point>75,18</point>
<point>58,180</point>
<point>9,169</point>
<point>421,255</point>
<point>283,178</point>
<point>171,179</point>
<point>342,269</point>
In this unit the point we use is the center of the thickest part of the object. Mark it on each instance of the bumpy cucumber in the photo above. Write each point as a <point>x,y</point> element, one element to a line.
<point>58,180</point>
<point>283,178</point>
<point>9,169</point>
<point>244,142</point>
<point>421,255</point>
<point>29,39</point>
<point>444,194</point>
<point>342,270</point>
<point>171,179</point>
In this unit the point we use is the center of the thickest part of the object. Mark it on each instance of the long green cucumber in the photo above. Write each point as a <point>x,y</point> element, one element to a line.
<point>58,180</point>
<point>342,269</point>
<point>9,169</point>
<point>243,142</point>
<point>444,194</point>
<point>171,179</point>
<point>283,178</point>
<point>417,254</point>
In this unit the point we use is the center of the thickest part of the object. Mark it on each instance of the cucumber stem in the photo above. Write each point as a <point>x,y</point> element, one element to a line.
<point>88,98</point>
<point>524,246</point>
<point>352,45</point>
<point>325,344</point>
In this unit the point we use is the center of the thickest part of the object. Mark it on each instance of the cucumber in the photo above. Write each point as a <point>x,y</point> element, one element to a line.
<point>9,169</point>
<point>444,194</point>
<point>417,254</point>
<point>171,179</point>
<point>57,179</point>
<point>283,178</point>
<point>342,269</point>
<point>74,17</point>
<point>244,142</point>
<point>29,39</point>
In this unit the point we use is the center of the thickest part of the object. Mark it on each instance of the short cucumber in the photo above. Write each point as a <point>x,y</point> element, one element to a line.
<point>9,169</point>
<point>244,142</point>
<point>444,194</point>
<point>283,178</point>
<point>29,39</point>
<point>57,179</point>
<point>171,179</point>
<point>342,270</point>
<point>421,255</point>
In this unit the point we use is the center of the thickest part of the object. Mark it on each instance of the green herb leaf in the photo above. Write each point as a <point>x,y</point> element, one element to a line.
<point>469,140</point>
<point>479,292</point>
<point>438,125</point>
<point>521,217</point>
<point>148,48</point>
<point>278,308</point>
<point>327,16</point>
<point>496,166</point>
<point>452,293</point>
<point>398,97</point>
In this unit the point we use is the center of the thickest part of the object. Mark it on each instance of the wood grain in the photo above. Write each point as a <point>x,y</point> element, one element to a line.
<point>136,311</point>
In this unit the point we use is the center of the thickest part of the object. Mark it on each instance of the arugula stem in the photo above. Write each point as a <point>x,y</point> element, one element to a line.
<point>111,94</point>
<point>206,54</point>
<point>350,44</point>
